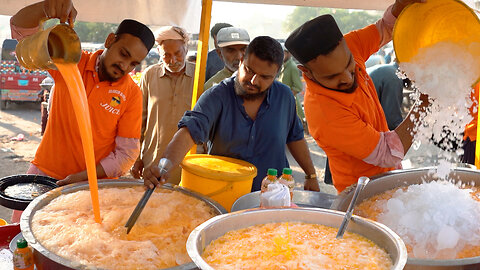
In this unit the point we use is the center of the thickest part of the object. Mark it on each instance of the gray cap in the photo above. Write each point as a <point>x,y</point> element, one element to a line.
<point>229,36</point>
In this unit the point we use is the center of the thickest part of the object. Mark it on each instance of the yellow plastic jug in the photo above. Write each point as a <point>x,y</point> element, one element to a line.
<point>221,178</point>
<point>423,24</point>
<point>57,42</point>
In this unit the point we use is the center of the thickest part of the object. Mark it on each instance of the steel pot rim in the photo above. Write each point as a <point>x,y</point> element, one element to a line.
<point>415,261</point>
<point>196,257</point>
<point>44,199</point>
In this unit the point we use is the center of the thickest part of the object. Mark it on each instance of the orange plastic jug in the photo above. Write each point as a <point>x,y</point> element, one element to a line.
<point>38,50</point>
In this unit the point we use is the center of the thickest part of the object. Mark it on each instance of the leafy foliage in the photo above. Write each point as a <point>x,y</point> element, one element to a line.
<point>89,31</point>
<point>347,20</point>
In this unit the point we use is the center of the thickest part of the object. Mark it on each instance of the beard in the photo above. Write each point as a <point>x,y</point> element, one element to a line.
<point>107,75</point>
<point>349,90</point>
<point>241,92</point>
<point>177,67</point>
<point>232,66</point>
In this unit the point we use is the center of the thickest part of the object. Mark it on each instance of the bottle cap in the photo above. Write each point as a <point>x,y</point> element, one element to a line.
<point>272,172</point>
<point>22,243</point>
<point>287,171</point>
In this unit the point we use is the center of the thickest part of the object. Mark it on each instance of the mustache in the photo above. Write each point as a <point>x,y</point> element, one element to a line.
<point>119,68</point>
<point>176,64</point>
<point>251,85</point>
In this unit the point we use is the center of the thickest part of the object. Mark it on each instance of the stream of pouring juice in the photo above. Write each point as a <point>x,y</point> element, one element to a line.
<point>74,82</point>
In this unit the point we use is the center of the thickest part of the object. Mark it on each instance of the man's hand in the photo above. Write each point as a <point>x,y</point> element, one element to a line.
<point>73,178</point>
<point>137,169</point>
<point>152,176</point>
<point>401,4</point>
<point>311,184</point>
<point>61,9</point>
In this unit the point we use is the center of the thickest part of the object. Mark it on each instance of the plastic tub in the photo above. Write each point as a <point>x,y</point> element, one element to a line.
<point>223,179</point>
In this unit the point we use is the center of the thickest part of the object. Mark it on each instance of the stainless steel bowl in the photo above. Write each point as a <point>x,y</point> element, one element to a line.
<point>400,178</point>
<point>302,198</point>
<point>45,259</point>
<point>219,225</point>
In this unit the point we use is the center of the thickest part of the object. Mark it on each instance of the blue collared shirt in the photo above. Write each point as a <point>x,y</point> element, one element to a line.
<point>220,119</point>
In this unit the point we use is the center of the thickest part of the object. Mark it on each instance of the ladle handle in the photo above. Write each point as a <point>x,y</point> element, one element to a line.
<point>164,166</point>
<point>362,182</point>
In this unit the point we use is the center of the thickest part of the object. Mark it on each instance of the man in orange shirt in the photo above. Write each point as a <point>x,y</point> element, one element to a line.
<point>341,105</point>
<point>470,136</point>
<point>115,101</point>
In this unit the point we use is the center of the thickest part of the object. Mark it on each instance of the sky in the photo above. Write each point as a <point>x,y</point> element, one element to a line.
<point>257,19</point>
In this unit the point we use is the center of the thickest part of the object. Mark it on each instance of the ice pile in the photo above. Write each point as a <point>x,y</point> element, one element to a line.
<point>437,219</point>
<point>6,258</point>
<point>446,72</point>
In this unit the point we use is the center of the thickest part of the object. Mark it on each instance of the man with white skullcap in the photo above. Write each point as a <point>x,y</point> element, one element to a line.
<point>167,94</point>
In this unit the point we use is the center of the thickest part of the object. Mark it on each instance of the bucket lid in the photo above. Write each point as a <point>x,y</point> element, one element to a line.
<point>219,167</point>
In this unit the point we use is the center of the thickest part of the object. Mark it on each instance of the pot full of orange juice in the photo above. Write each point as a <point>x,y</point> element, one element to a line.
<point>60,228</point>
<point>293,238</point>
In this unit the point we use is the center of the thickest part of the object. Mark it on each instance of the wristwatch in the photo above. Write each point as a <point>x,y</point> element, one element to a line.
<point>311,176</point>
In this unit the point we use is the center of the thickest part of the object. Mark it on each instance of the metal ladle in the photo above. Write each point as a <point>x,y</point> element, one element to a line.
<point>362,182</point>
<point>164,166</point>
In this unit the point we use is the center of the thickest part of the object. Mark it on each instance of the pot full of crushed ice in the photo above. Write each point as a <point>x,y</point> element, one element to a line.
<point>60,227</point>
<point>438,219</point>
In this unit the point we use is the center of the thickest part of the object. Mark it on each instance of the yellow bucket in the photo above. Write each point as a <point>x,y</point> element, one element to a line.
<point>223,179</point>
<point>421,25</point>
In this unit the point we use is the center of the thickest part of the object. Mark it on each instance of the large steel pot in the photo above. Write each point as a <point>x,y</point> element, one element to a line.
<point>399,178</point>
<point>219,225</point>
<point>44,259</point>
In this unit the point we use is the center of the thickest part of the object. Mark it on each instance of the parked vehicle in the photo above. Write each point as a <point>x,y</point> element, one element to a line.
<point>17,84</point>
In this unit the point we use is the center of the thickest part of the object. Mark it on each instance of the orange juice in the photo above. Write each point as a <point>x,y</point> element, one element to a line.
<point>73,79</point>
<point>23,256</point>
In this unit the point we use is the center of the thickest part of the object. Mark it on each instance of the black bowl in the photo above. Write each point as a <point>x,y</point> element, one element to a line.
<point>17,191</point>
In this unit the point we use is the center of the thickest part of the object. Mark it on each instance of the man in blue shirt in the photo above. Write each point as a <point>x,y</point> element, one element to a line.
<point>390,92</point>
<point>249,116</point>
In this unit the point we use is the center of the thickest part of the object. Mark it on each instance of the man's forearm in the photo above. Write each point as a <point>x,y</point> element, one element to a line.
<point>29,16</point>
<point>179,146</point>
<point>122,157</point>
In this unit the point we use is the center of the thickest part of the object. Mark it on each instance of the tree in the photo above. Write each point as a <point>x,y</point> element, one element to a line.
<point>94,32</point>
<point>347,20</point>
<point>89,31</point>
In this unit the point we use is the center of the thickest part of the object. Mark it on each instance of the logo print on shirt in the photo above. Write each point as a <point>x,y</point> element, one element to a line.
<point>115,101</point>
<point>110,107</point>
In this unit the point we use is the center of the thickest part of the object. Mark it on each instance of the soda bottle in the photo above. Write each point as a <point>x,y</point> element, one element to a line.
<point>270,178</point>
<point>287,179</point>
<point>23,256</point>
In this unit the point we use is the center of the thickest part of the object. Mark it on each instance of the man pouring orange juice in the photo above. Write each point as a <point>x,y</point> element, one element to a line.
<point>114,100</point>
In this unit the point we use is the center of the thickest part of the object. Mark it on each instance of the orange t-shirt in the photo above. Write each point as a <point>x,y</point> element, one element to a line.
<point>115,110</point>
<point>471,128</point>
<point>347,126</point>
